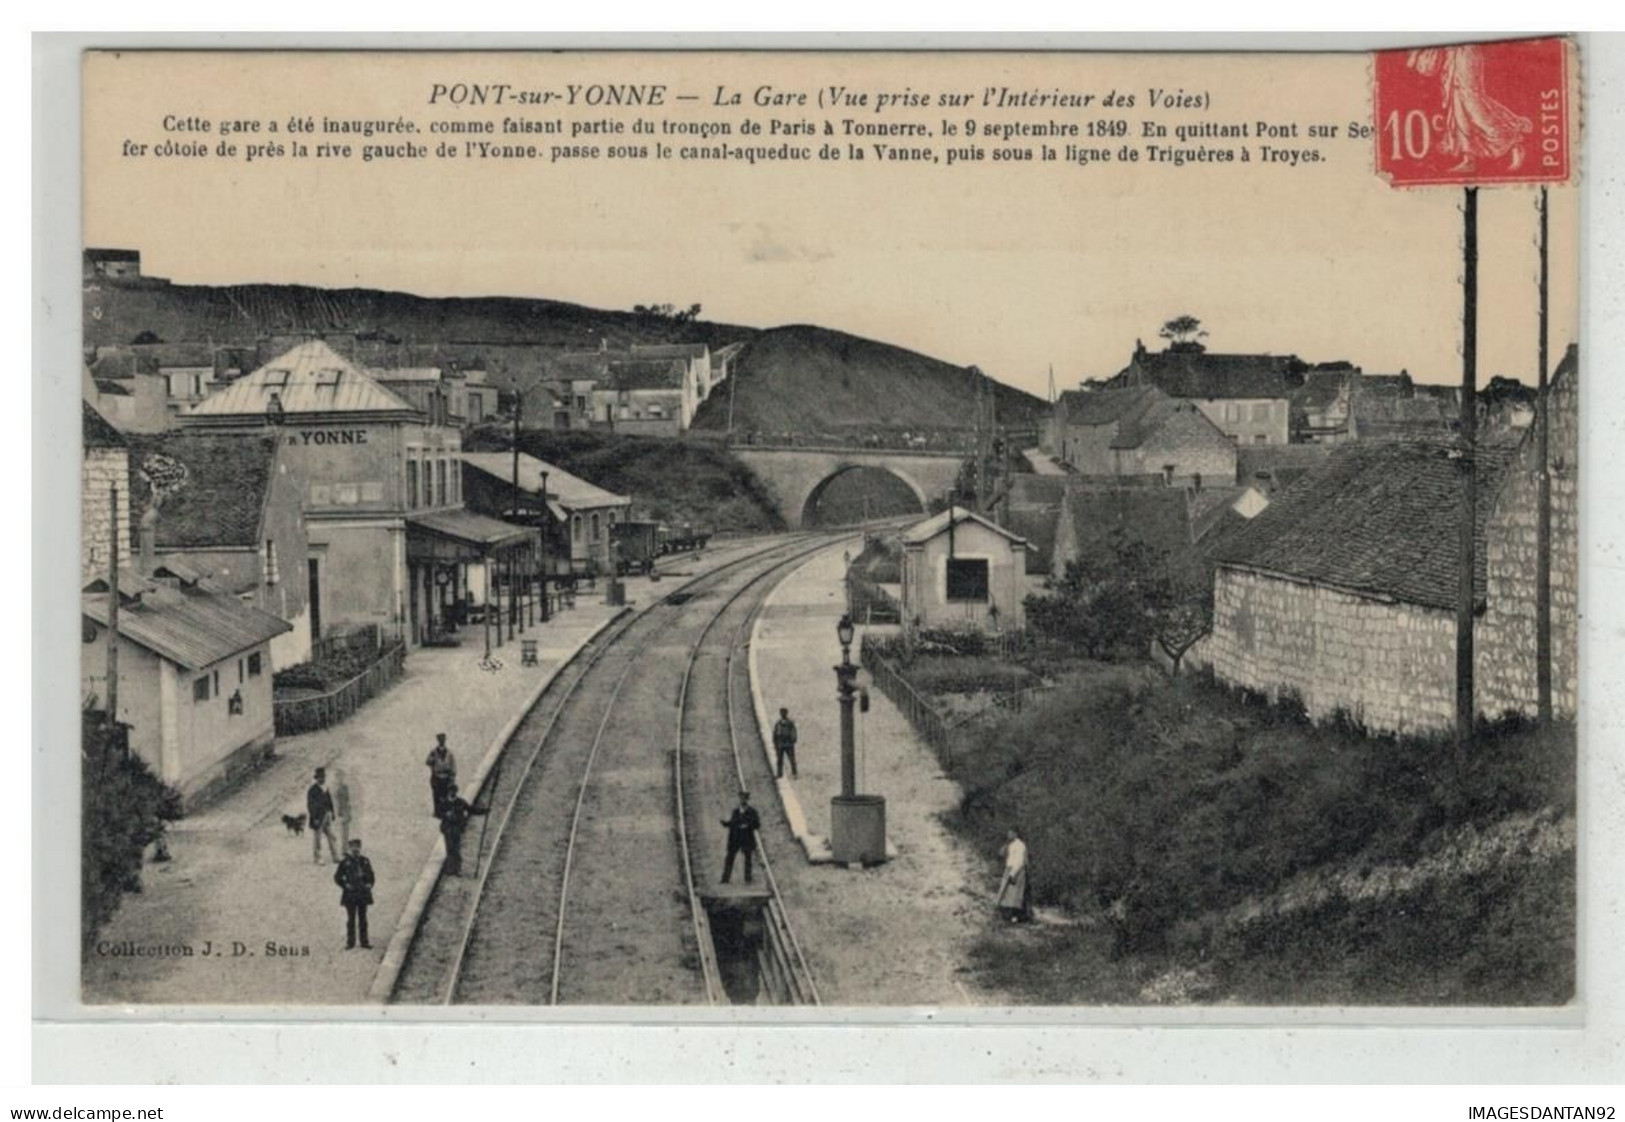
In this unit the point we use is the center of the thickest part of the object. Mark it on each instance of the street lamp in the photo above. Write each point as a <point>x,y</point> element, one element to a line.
<point>857,823</point>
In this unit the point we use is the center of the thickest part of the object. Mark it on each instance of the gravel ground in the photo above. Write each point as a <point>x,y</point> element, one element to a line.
<point>901,933</point>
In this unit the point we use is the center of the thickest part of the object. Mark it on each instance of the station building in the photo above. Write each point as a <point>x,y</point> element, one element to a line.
<point>390,544</point>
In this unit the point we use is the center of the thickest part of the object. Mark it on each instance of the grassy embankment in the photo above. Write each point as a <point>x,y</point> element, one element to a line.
<point>671,481</point>
<point>1202,846</point>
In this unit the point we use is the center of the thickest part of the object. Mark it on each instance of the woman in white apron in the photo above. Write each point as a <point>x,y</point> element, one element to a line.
<point>1014,904</point>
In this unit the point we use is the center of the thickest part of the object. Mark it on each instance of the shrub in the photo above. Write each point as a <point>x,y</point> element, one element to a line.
<point>937,674</point>
<point>125,809</point>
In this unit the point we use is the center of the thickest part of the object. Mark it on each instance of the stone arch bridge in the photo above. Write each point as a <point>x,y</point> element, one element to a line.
<point>796,477</point>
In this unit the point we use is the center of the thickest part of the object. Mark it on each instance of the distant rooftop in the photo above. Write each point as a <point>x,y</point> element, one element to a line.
<point>311,378</point>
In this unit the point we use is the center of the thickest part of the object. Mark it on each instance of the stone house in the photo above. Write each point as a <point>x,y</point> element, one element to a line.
<point>236,521</point>
<point>961,570</point>
<point>1343,592</point>
<point>1248,396</point>
<point>1322,408</point>
<point>1141,431</point>
<point>1504,640</point>
<point>103,466</point>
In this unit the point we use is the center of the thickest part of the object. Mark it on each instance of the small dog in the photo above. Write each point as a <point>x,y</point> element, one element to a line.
<point>295,823</point>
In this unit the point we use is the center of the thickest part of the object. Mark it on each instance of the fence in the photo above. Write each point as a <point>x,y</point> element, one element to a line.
<point>307,714</point>
<point>926,720</point>
<point>365,637</point>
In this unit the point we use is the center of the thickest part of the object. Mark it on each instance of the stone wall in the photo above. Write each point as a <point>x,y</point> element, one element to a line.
<point>1504,641</point>
<point>100,471</point>
<point>1189,442</point>
<point>1389,666</point>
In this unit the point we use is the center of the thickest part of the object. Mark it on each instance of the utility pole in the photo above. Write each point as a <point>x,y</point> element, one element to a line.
<point>112,622</point>
<point>1465,713</point>
<point>1543,478</point>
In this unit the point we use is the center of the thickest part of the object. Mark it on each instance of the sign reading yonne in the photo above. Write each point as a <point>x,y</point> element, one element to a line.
<point>330,436</point>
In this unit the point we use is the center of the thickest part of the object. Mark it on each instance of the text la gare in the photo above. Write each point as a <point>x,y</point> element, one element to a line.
<point>766,97</point>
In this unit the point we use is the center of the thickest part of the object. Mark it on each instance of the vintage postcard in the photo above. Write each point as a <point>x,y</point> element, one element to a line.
<point>830,529</point>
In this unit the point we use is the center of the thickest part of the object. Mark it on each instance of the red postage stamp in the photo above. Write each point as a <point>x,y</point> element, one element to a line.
<point>1474,113</point>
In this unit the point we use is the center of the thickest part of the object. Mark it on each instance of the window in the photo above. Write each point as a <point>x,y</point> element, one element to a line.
<point>254,665</point>
<point>412,483</point>
<point>200,689</point>
<point>595,525</point>
<point>428,485</point>
<point>440,477</point>
<point>967,579</point>
<point>1261,411</point>
<point>575,527</point>
<point>581,403</point>
<point>242,671</point>
<point>476,408</point>
<point>1232,412</point>
<point>1260,438</point>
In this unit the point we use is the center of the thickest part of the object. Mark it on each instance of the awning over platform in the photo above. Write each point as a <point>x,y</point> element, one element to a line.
<point>452,535</point>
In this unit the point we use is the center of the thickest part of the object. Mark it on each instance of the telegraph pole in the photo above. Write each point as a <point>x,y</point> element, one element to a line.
<point>1543,478</point>
<point>1465,714</point>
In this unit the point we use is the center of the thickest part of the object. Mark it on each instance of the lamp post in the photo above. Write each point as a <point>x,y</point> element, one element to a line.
<point>857,823</point>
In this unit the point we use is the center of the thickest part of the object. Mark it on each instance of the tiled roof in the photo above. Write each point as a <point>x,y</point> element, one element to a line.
<point>311,378</point>
<point>646,374</point>
<point>188,626</point>
<point>1158,517</point>
<point>1378,519</point>
<point>570,491</point>
<point>223,496</point>
<point>98,431</point>
<point>1105,407</point>
<point>1320,389</point>
<point>1195,373</point>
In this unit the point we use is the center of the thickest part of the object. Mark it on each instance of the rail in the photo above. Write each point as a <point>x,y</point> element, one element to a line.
<point>297,715</point>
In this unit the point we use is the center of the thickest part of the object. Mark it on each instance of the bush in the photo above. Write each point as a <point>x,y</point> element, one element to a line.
<point>937,674</point>
<point>1156,806</point>
<point>325,673</point>
<point>125,809</point>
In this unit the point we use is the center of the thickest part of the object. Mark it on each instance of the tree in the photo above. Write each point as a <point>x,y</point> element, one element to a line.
<point>1110,601</point>
<point>125,809</point>
<point>1183,330</point>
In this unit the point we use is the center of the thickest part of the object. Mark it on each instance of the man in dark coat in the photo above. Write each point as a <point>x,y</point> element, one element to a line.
<point>784,742</point>
<point>454,816</point>
<point>742,826</point>
<point>319,808</point>
<point>442,772</point>
<point>354,878</point>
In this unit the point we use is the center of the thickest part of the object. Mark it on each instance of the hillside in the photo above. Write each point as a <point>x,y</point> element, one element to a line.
<point>117,312</point>
<point>855,386</point>
<point>670,481</point>
<point>802,380</point>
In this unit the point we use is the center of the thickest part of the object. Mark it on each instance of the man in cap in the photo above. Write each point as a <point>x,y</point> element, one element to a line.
<point>354,878</point>
<point>742,826</point>
<point>784,742</point>
<point>454,815</point>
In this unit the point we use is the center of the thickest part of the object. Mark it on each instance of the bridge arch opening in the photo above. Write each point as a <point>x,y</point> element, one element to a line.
<point>857,493</point>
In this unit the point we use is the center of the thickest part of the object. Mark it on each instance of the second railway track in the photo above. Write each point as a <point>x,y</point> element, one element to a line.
<point>587,889</point>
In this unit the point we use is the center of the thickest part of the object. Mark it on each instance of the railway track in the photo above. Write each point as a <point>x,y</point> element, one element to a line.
<point>609,909</point>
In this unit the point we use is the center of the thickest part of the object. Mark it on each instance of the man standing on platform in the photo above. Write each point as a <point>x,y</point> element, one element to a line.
<point>742,826</point>
<point>784,742</point>
<point>442,772</point>
<point>454,816</point>
<point>354,878</point>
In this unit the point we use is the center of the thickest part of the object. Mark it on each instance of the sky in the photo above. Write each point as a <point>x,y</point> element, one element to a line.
<point>1016,268</point>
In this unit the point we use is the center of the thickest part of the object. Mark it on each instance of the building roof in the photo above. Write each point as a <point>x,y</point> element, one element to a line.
<point>1188,370</point>
<point>1105,407</point>
<point>569,491</point>
<point>670,350</point>
<point>311,378</point>
<point>408,374</point>
<point>1321,389</point>
<point>222,497</point>
<point>466,526</point>
<point>1377,519</point>
<point>645,374</point>
<point>1157,517</point>
<point>98,431</point>
<point>924,531</point>
<point>191,627</point>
